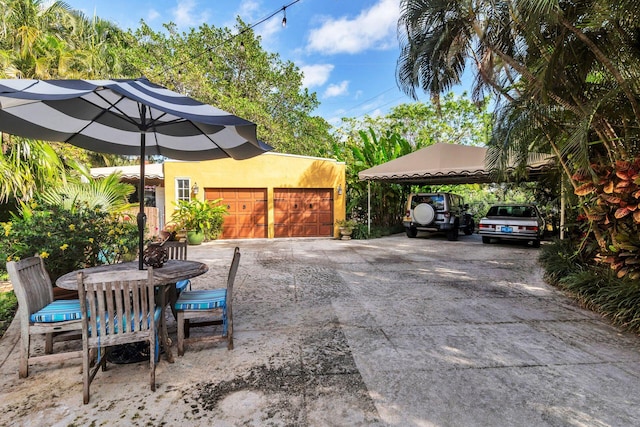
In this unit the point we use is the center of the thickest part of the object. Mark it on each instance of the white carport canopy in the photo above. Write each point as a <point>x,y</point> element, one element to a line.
<point>442,163</point>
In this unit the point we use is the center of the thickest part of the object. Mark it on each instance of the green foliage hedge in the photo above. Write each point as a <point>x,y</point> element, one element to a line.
<point>8,308</point>
<point>67,239</point>
<point>568,265</point>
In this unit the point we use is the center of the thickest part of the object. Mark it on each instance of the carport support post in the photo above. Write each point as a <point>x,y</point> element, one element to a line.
<point>562,207</point>
<point>368,208</point>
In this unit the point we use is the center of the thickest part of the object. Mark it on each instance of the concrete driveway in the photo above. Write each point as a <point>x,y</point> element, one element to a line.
<point>388,332</point>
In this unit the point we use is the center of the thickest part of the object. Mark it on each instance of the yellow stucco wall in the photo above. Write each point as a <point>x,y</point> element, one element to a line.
<point>269,170</point>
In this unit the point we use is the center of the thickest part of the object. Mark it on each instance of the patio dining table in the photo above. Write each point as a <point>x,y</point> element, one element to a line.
<point>171,272</point>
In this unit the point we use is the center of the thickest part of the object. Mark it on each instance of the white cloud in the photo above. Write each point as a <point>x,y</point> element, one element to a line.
<point>335,120</point>
<point>251,11</point>
<point>372,28</point>
<point>248,8</point>
<point>337,90</point>
<point>188,14</point>
<point>316,75</point>
<point>376,113</point>
<point>152,15</point>
<point>267,30</point>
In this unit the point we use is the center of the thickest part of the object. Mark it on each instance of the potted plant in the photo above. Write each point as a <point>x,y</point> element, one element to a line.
<point>201,219</point>
<point>346,227</point>
<point>173,231</point>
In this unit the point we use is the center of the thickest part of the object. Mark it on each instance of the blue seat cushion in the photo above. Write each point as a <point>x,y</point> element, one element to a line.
<point>182,285</point>
<point>157,314</point>
<point>58,311</point>
<point>202,299</point>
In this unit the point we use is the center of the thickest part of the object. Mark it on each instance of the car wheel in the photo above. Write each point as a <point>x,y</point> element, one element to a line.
<point>486,239</point>
<point>470,228</point>
<point>424,214</point>
<point>411,231</point>
<point>535,243</point>
<point>453,233</point>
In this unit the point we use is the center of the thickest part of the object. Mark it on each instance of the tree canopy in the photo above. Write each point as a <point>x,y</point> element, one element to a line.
<point>407,127</point>
<point>566,79</point>
<point>225,67</point>
<point>228,68</point>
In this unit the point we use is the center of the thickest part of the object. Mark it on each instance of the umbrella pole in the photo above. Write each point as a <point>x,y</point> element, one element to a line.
<point>142,218</point>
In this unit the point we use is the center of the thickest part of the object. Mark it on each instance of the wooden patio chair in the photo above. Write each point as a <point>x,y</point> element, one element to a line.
<point>176,250</point>
<point>40,314</point>
<point>117,308</point>
<point>208,303</point>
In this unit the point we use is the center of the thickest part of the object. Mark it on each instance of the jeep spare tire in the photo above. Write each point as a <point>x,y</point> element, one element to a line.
<point>423,214</point>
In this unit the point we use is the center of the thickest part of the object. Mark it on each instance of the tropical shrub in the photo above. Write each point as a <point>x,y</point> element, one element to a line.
<point>612,196</point>
<point>562,258</point>
<point>347,223</point>
<point>8,307</point>
<point>569,266</point>
<point>67,240</point>
<point>107,194</point>
<point>201,216</point>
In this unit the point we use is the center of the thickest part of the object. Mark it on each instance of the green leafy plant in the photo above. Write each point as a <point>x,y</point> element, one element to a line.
<point>349,224</point>
<point>612,194</point>
<point>8,308</point>
<point>67,240</point>
<point>569,266</point>
<point>564,257</point>
<point>121,243</point>
<point>108,193</point>
<point>200,216</point>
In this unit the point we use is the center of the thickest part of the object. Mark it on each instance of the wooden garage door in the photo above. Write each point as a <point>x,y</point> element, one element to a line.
<point>247,211</point>
<point>303,212</point>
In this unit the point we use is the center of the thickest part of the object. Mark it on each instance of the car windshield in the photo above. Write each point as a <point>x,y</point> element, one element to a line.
<point>514,211</point>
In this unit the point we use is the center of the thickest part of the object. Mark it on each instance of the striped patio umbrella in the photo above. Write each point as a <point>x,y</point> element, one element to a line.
<point>127,117</point>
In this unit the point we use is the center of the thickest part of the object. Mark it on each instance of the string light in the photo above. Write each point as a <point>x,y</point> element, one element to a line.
<point>242,47</point>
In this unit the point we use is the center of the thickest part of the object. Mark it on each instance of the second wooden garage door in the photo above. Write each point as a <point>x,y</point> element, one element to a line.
<point>247,211</point>
<point>303,212</point>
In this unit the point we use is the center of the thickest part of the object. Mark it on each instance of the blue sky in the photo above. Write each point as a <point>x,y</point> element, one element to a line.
<point>347,49</point>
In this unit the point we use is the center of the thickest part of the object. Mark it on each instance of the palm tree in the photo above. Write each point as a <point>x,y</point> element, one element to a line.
<point>27,167</point>
<point>32,34</point>
<point>562,65</point>
<point>108,194</point>
<point>370,150</point>
<point>41,39</point>
<point>565,73</point>
<point>96,44</point>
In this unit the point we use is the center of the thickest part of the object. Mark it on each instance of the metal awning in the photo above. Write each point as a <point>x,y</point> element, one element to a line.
<point>154,173</point>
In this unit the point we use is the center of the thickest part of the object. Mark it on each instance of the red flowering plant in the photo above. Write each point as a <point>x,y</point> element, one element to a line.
<point>612,194</point>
